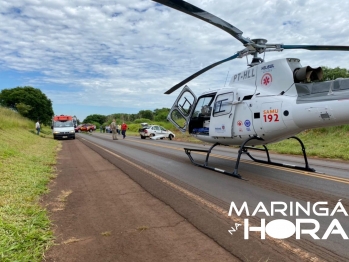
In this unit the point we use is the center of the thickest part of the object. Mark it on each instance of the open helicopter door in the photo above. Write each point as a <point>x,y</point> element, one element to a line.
<point>182,109</point>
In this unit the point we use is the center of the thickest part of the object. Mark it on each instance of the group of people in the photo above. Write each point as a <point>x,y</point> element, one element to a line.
<point>114,129</point>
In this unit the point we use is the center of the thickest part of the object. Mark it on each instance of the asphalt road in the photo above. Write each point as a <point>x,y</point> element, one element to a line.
<point>165,161</point>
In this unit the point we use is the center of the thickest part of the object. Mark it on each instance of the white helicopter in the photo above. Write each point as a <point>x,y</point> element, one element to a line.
<point>266,103</point>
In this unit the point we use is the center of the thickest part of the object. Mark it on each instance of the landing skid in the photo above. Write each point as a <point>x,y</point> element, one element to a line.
<point>269,162</point>
<point>244,150</point>
<point>205,165</point>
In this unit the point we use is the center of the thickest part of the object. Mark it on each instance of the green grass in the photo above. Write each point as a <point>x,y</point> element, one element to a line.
<point>330,142</point>
<point>26,166</point>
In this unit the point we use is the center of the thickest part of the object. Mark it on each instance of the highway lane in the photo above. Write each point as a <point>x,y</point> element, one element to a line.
<point>265,184</point>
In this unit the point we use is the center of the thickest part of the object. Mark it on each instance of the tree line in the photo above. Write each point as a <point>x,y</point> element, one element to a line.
<point>158,115</point>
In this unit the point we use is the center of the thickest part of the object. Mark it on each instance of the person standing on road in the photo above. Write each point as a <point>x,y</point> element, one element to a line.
<point>37,127</point>
<point>123,129</point>
<point>113,129</point>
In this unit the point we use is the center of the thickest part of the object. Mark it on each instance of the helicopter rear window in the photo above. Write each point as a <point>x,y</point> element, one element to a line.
<point>223,104</point>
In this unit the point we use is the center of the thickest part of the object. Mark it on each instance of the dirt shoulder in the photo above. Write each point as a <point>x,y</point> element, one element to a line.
<point>100,214</point>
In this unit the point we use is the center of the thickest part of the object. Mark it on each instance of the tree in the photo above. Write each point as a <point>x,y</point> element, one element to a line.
<point>161,114</point>
<point>95,118</point>
<point>29,102</point>
<point>333,73</point>
<point>146,114</point>
<point>23,109</point>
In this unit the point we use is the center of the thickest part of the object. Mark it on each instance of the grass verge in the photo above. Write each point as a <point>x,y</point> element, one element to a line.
<point>329,142</point>
<point>26,166</point>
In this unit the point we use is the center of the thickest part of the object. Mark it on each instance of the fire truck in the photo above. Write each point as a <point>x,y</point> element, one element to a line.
<point>63,127</point>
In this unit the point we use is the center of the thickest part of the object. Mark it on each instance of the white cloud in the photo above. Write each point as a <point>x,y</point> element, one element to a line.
<point>134,50</point>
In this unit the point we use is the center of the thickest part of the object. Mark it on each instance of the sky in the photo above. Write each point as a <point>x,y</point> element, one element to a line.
<point>105,57</point>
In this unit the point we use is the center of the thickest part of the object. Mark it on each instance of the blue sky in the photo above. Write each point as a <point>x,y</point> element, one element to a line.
<point>120,56</point>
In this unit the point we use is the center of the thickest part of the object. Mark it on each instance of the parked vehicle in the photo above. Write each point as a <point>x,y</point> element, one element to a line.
<point>85,128</point>
<point>63,127</point>
<point>77,128</point>
<point>108,129</point>
<point>155,132</point>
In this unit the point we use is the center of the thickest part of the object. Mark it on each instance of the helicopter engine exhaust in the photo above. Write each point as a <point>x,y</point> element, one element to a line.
<point>307,74</point>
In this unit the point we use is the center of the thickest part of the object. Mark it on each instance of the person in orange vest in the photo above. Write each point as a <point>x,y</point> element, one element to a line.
<point>123,129</point>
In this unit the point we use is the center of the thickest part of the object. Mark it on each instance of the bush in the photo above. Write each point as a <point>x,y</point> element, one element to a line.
<point>142,120</point>
<point>96,124</point>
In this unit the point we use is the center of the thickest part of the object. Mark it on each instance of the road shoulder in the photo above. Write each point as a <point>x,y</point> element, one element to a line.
<point>100,214</point>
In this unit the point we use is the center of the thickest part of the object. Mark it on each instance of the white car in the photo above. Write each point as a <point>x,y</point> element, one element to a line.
<point>155,132</point>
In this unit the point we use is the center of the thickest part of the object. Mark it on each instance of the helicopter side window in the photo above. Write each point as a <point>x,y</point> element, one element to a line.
<point>223,104</point>
<point>203,107</point>
<point>206,110</point>
<point>202,112</point>
<point>219,107</point>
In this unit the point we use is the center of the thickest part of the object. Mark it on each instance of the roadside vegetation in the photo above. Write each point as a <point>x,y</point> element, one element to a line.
<point>26,166</point>
<point>329,142</point>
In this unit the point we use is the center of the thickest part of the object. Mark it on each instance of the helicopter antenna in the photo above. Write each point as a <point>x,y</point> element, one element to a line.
<point>226,78</point>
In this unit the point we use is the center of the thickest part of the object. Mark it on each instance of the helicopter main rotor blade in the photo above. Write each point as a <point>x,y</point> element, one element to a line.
<point>317,47</point>
<point>174,88</point>
<point>205,16</point>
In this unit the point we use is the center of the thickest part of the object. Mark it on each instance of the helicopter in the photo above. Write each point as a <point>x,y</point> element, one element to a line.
<point>266,103</point>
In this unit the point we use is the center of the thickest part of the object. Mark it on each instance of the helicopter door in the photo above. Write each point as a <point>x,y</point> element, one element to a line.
<point>182,109</point>
<point>222,116</point>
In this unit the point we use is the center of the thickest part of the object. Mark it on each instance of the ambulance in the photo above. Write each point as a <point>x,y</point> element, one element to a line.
<point>63,127</point>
